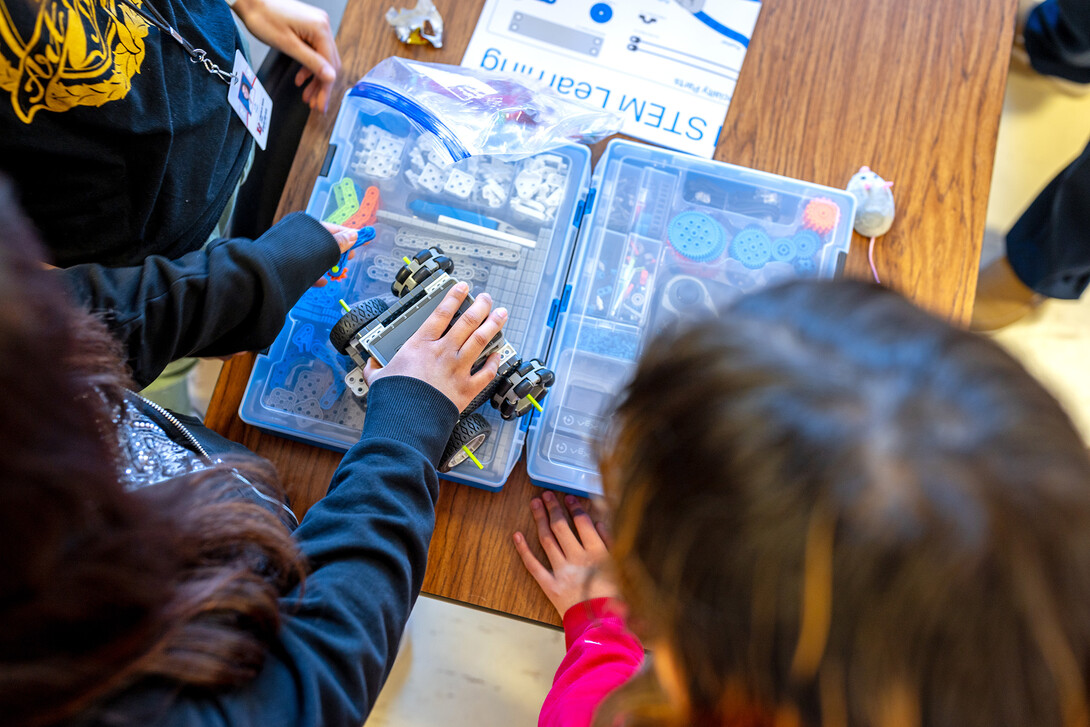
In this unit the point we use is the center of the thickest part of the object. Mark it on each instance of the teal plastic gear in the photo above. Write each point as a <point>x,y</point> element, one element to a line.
<point>696,236</point>
<point>806,267</point>
<point>784,250</point>
<point>752,247</point>
<point>807,243</point>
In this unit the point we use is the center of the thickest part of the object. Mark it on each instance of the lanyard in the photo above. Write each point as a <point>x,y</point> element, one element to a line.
<point>196,55</point>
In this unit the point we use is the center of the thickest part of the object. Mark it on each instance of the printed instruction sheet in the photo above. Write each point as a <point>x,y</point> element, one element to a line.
<point>669,66</point>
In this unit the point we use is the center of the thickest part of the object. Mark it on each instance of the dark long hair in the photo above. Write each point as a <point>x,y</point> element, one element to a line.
<point>836,509</point>
<point>103,589</point>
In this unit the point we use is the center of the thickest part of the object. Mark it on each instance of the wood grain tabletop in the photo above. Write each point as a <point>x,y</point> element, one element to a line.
<point>912,88</point>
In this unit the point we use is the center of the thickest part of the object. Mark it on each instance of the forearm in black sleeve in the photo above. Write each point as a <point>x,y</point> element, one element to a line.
<point>367,545</point>
<point>231,296</point>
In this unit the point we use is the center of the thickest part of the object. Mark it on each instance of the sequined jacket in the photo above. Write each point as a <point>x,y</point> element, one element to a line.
<point>231,296</point>
<point>366,541</point>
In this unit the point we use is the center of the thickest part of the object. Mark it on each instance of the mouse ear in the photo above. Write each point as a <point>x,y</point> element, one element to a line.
<point>864,169</point>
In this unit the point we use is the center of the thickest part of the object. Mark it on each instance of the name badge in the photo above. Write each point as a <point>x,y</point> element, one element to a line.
<point>250,100</point>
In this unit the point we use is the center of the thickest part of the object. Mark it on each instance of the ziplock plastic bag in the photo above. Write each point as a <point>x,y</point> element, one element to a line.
<point>474,112</point>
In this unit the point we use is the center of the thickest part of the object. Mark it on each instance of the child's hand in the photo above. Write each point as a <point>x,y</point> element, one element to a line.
<point>345,238</point>
<point>303,32</point>
<point>576,562</point>
<point>443,359</point>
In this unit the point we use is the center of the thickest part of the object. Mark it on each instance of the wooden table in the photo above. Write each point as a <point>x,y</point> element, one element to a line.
<point>913,88</point>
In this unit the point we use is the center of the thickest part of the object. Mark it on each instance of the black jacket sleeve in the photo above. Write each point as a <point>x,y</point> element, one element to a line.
<point>367,546</point>
<point>231,296</point>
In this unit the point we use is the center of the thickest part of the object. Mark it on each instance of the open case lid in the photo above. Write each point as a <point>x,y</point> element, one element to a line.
<point>297,388</point>
<point>667,237</point>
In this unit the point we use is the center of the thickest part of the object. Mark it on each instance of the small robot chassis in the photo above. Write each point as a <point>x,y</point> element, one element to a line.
<point>373,328</point>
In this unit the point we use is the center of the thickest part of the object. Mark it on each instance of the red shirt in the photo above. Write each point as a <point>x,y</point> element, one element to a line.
<point>602,655</point>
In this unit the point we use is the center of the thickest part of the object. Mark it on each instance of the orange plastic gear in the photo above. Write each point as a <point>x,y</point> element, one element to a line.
<point>821,215</point>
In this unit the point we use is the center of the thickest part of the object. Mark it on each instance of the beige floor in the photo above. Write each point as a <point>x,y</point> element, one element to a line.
<point>460,667</point>
<point>1041,132</point>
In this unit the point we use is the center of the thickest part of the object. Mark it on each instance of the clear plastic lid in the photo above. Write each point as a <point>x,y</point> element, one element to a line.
<point>297,389</point>
<point>668,236</point>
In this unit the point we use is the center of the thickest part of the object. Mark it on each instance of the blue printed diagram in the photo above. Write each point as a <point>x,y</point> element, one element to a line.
<point>696,7</point>
<point>601,13</point>
<point>678,60</point>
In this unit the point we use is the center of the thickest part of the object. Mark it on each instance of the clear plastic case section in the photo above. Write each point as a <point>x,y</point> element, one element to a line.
<point>670,237</point>
<point>506,225</point>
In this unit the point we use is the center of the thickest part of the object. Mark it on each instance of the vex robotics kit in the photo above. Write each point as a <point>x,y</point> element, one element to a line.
<point>589,263</point>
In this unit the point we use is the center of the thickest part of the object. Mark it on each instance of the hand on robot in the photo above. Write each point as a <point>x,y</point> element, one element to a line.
<point>444,358</point>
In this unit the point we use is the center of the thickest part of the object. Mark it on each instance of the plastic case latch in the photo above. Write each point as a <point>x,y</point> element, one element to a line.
<point>565,298</point>
<point>328,161</point>
<point>583,208</point>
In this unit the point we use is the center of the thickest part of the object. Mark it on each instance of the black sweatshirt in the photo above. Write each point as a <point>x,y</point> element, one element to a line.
<point>231,296</point>
<point>120,146</point>
<point>366,541</point>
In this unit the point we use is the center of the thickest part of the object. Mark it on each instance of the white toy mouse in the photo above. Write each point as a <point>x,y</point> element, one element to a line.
<point>874,211</point>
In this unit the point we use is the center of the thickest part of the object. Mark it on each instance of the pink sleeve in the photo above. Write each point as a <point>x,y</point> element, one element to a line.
<point>602,655</point>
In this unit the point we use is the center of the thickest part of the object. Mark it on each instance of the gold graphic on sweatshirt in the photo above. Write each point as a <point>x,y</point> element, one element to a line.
<point>78,53</point>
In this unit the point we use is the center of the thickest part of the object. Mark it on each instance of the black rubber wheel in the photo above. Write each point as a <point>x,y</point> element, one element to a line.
<point>470,432</point>
<point>354,320</point>
<point>482,398</point>
<point>425,264</point>
<point>529,378</point>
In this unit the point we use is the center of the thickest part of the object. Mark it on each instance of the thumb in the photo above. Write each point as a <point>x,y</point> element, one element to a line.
<point>370,370</point>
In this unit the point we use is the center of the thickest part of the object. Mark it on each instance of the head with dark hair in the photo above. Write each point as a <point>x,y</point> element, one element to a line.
<point>832,508</point>
<point>101,587</point>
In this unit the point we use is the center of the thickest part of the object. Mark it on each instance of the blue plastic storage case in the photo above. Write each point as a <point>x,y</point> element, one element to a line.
<point>606,263</point>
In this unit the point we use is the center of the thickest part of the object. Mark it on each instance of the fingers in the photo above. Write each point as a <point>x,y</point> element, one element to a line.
<point>316,31</point>
<point>326,45</point>
<point>480,338</point>
<point>585,527</point>
<point>470,321</point>
<point>316,94</point>
<point>484,377</point>
<point>558,523</point>
<point>345,236</point>
<point>312,59</point>
<point>539,572</point>
<point>545,534</point>
<point>322,41</point>
<point>432,329</point>
<point>319,36</point>
<point>319,95</point>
